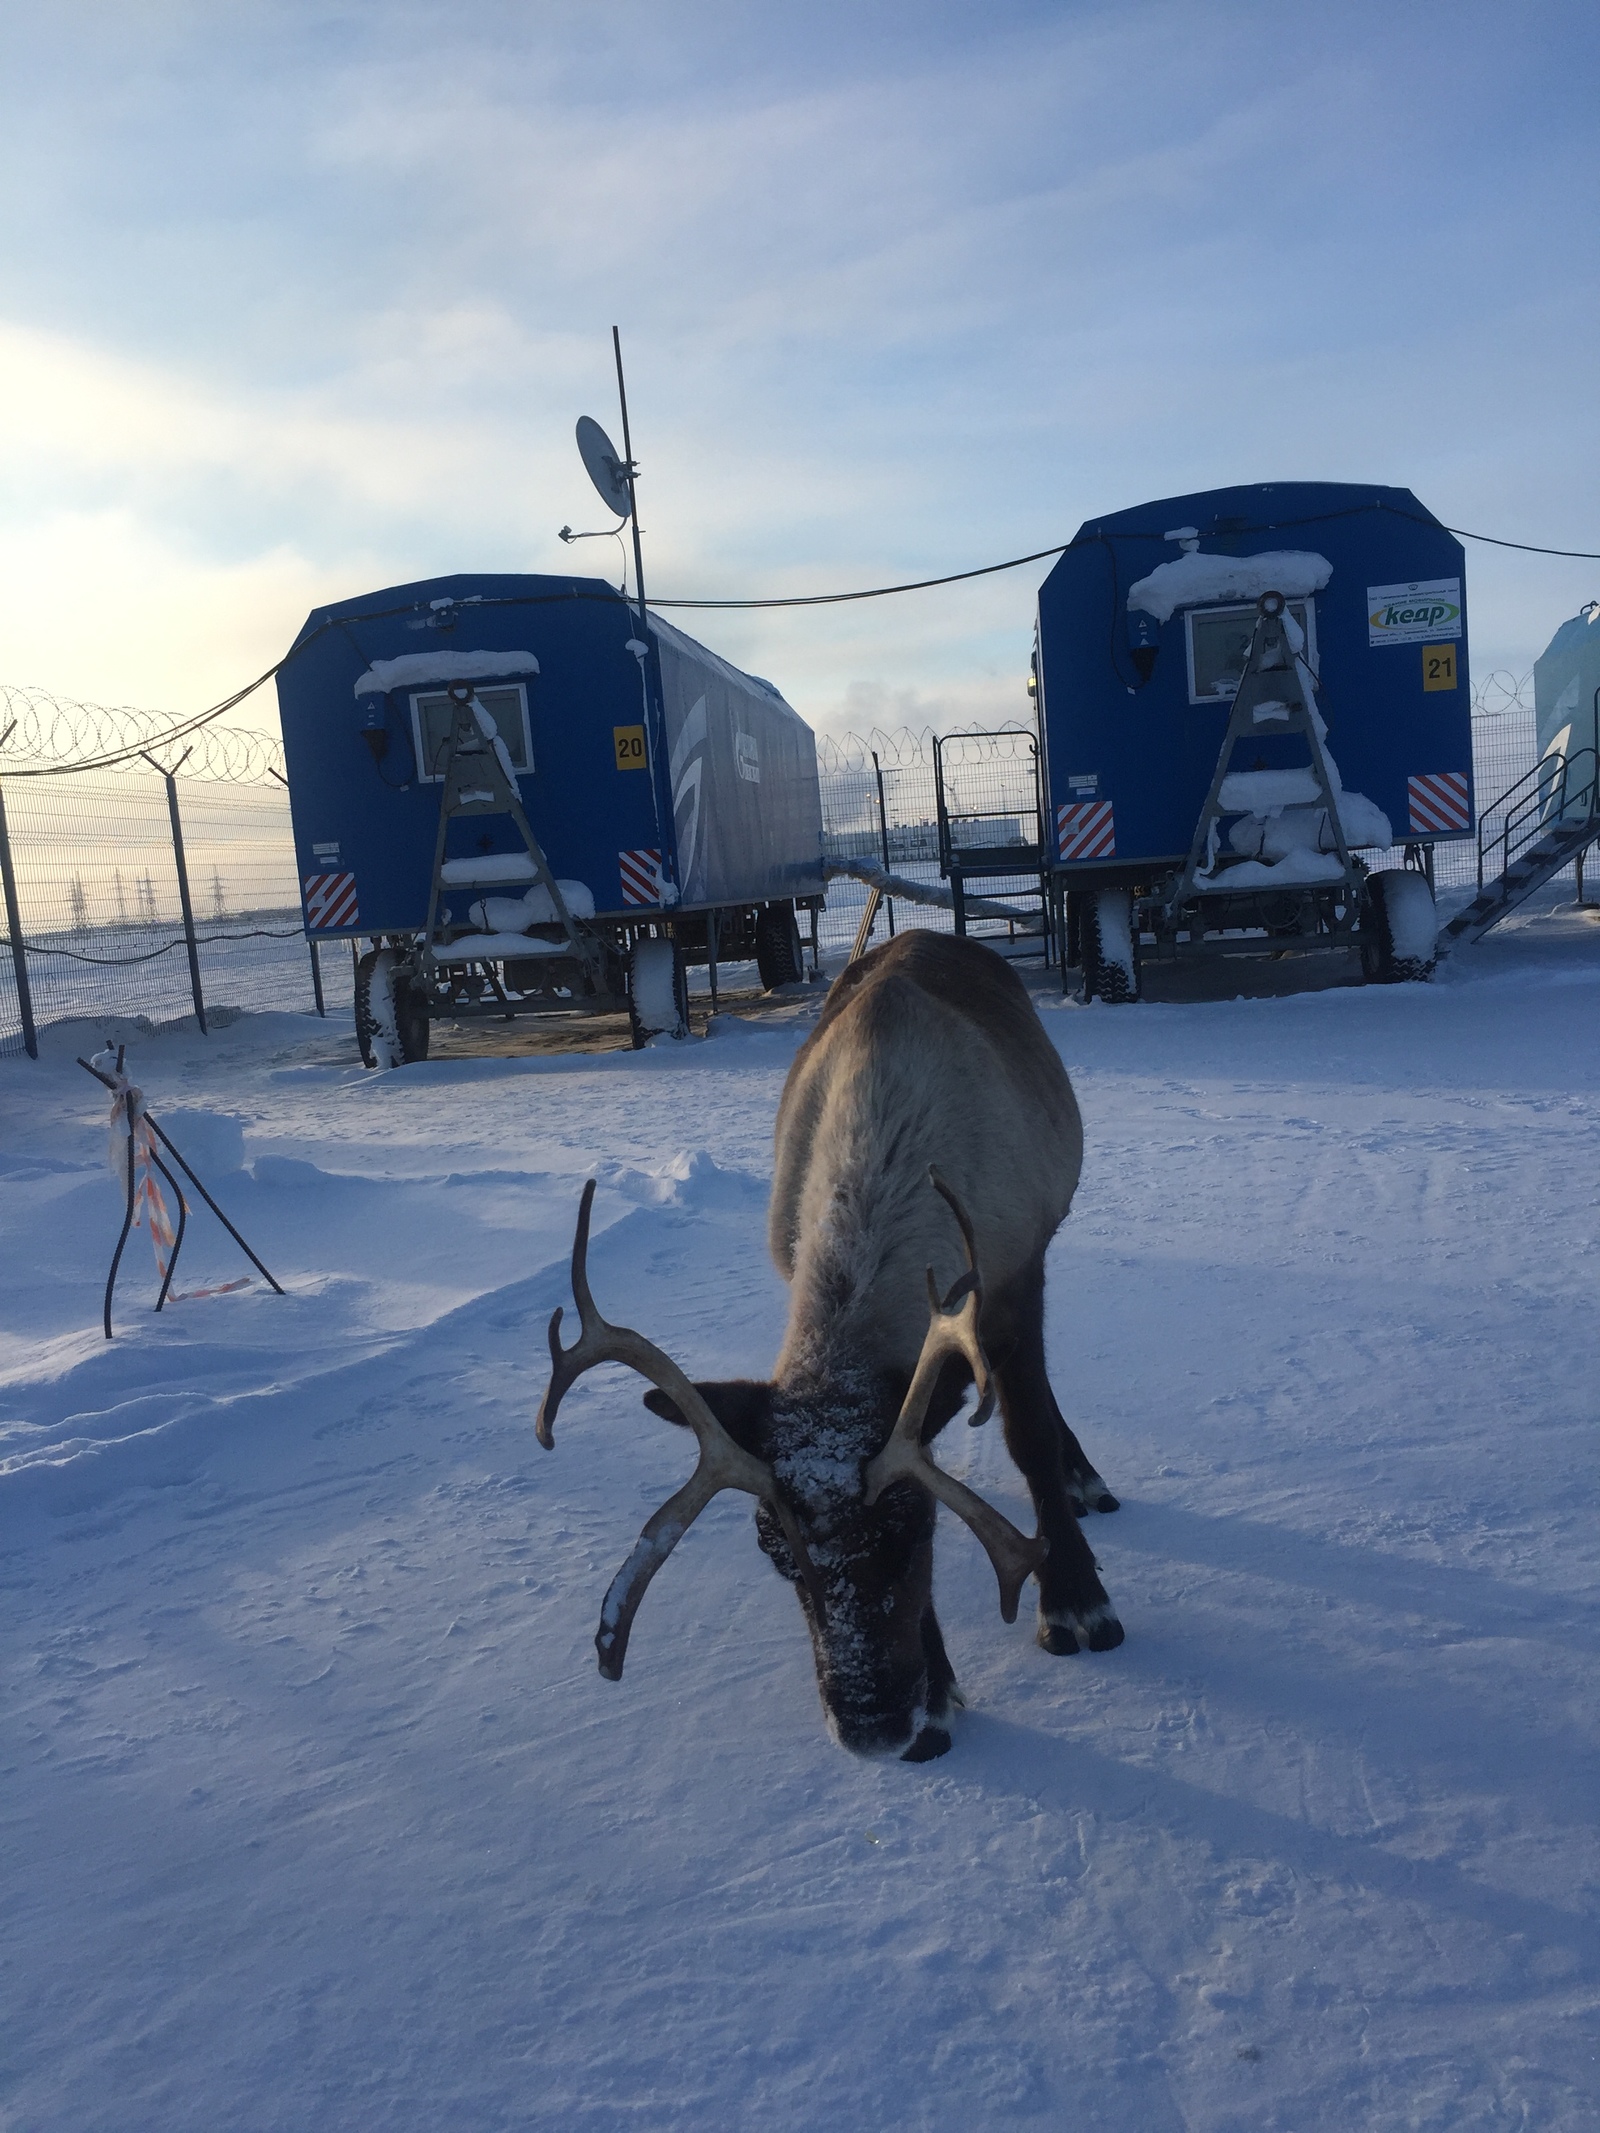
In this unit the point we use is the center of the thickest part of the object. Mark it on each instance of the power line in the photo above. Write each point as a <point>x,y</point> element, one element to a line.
<point>878,592</point>
<point>1579,555</point>
<point>956,577</point>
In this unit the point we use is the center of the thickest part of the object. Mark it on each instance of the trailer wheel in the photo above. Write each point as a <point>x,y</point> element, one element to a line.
<point>658,992</point>
<point>411,1021</point>
<point>1399,927</point>
<point>391,1012</point>
<point>778,956</point>
<point>1110,947</point>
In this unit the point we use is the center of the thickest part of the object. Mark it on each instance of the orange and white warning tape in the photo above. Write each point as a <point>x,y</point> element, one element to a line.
<point>128,1118</point>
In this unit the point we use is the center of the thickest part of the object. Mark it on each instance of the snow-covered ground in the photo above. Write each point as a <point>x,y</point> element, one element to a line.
<point>317,1813</point>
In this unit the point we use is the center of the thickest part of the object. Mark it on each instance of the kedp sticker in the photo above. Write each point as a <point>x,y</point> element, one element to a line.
<point>629,744</point>
<point>1414,614</point>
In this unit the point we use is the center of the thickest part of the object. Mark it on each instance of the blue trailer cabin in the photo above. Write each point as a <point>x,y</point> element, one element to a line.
<point>1145,627</point>
<point>635,789</point>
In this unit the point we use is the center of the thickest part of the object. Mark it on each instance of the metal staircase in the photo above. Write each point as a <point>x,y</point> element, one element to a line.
<point>1544,822</point>
<point>989,802</point>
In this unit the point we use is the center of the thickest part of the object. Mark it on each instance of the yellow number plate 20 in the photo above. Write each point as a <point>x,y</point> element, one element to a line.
<point>629,742</point>
<point>1438,666</point>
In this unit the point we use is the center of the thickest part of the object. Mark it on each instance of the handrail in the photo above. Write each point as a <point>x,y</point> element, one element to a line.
<point>1529,813</point>
<point>946,817</point>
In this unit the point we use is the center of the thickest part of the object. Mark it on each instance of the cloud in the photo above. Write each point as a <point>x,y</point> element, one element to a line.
<point>100,611</point>
<point>902,291</point>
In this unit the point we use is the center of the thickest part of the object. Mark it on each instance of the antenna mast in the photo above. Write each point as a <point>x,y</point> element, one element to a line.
<point>630,470</point>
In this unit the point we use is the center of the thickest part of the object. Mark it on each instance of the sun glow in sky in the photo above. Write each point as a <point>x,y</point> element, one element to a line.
<point>303,299</point>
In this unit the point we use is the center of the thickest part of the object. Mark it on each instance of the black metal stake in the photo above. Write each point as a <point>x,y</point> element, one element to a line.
<point>127,1224</point>
<point>215,1209</point>
<point>19,954</point>
<point>183,1223</point>
<point>316,974</point>
<point>166,1143</point>
<point>883,835</point>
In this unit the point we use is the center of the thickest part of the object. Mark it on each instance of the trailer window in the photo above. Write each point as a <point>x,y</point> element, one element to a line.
<point>506,704</point>
<point>1219,644</point>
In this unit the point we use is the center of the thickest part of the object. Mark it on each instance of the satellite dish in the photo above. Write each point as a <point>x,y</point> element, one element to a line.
<point>608,473</point>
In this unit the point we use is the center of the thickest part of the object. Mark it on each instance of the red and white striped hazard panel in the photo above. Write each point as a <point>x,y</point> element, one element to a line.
<point>1439,801</point>
<point>330,902</point>
<point>1084,830</point>
<point>641,877</point>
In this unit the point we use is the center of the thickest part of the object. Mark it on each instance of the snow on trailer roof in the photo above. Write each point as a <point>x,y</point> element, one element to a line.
<point>1194,580</point>
<point>415,669</point>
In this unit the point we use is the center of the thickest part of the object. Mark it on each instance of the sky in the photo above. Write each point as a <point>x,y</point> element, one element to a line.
<point>298,301</point>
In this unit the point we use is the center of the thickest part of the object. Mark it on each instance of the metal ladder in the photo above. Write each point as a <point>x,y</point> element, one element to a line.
<point>1276,696</point>
<point>476,782</point>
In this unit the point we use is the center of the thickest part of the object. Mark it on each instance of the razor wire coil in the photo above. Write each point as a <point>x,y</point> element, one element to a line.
<point>49,732</point>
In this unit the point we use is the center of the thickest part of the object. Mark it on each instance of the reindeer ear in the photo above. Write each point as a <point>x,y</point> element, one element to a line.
<point>741,1405</point>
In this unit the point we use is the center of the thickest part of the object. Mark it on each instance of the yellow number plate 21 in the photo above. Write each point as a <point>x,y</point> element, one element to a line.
<point>629,742</point>
<point>1438,667</point>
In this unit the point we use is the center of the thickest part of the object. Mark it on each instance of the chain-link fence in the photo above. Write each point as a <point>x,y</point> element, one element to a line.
<point>95,871</point>
<point>130,893</point>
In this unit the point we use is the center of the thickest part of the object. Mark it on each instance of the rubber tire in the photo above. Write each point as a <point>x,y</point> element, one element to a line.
<point>1102,980</point>
<point>1378,959</point>
<point>779,959</point>
<point>411,1019</point>
<point>637,1030</point>
<point>410,1011</point>
<point>366,1028</point>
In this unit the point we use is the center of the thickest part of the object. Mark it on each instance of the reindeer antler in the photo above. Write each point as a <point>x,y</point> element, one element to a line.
<point>953,1330</point>
<point>723,1464</point>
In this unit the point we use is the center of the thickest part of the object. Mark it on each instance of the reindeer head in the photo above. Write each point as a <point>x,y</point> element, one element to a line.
<point>845,1496</point>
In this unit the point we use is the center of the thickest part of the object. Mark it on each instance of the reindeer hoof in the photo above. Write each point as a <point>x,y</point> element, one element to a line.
<point>1105,1631</point>
<point>932,1741</point>
<point>1095,1630</point>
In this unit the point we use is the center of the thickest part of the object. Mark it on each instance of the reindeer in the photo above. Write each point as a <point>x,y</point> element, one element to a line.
<point>927,1114</point>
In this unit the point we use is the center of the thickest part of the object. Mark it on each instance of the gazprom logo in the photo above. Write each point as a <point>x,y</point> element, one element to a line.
<point>1415,613</point>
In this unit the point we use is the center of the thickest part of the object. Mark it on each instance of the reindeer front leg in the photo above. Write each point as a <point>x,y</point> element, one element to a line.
<point>1075,1611</point>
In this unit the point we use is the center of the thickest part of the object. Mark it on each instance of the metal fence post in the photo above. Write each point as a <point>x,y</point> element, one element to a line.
<point>19,954</point>
<point>171,777</point>
<point>883,834</point>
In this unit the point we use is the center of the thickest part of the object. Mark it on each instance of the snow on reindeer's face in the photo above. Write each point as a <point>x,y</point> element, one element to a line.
<point>874,1563</point>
